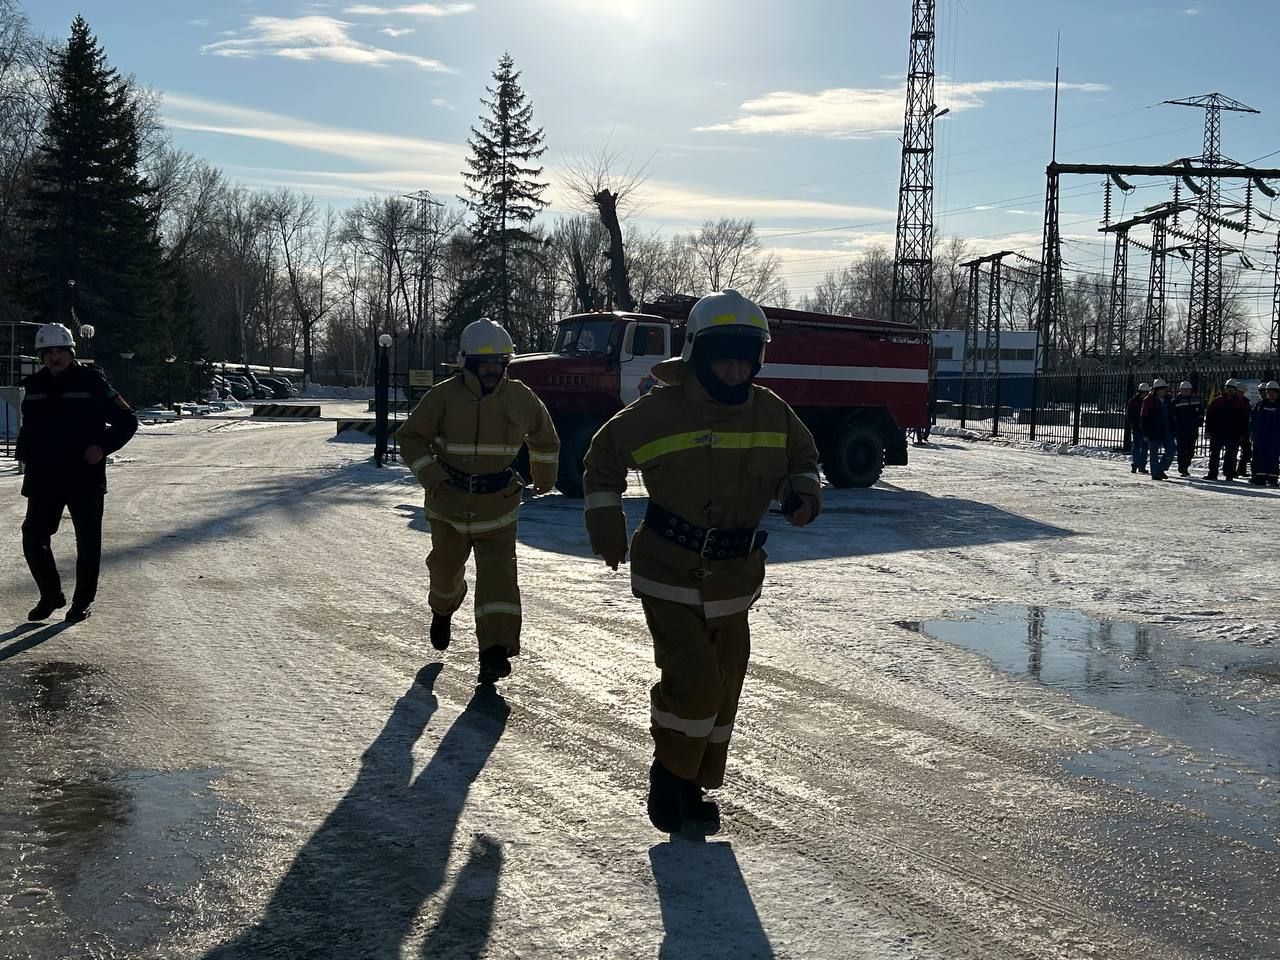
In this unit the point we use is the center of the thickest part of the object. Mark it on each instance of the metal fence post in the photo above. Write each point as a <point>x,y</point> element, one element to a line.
<point>1035,401</point>
<point>1126,444</point>
<point>1075,420</point>
<point>995,410</point>
<point>964,399</point>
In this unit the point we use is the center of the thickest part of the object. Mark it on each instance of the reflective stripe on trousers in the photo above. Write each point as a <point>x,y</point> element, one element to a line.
<point>497,588</point>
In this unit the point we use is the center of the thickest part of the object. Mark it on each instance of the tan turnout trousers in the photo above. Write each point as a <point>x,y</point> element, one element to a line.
<point>695,701</point>
<point>497,601</point>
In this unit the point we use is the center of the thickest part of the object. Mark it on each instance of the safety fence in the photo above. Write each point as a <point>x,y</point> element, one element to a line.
<point>1082,408</point>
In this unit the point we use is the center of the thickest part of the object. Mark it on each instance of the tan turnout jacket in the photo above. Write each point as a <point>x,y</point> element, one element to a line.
<point>712,464</point>
<point>476,434</point>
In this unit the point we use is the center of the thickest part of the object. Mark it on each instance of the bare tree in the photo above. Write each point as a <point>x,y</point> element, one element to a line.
<point>308,244</point>
<point>728,254</point>
<point>601,182</point>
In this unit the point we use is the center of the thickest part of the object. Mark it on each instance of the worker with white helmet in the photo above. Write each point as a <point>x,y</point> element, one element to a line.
<point>1133,417</point>
<point>461,442</point>
<point>714,450</point>
<point>1227,423</point>
<point>72,420</point>
<point>1188,417</point>
<point>1264,426</point>
<point>1157,428</point>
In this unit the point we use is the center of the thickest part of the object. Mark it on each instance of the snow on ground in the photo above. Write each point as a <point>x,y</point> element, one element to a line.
<point>251,751</point>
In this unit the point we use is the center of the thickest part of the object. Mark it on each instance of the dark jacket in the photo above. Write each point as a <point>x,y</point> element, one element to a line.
<point>1265,429</point>
<point>1188,415</point>
<point>1157,418</point>
<point>1227,418</point>
<point>1133,412</point>
<point>62,417</point>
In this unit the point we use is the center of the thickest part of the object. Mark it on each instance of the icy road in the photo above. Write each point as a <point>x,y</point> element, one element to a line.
<point>1006,705</point>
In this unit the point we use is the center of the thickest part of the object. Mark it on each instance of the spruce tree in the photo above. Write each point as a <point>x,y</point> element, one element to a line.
<point>93,245</point>
<point>505,194</point>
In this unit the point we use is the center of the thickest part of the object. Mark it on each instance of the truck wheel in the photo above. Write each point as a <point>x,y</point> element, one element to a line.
<point>573,450</point>
<point>855,457</point>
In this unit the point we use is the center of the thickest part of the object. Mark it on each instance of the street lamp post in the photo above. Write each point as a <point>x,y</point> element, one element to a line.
<point>381,383</point>
<point>126,357</point>
<point>168,362</point>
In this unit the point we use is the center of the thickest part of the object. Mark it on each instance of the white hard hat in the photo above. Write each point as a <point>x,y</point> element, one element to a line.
<point>1185,385</point>
<point>485,340</point>
<point>1144,387</point>
<point>54,335</point>
<point>1157,383</point>
<point>725,312</point>
<point>1272,385</point>
<point>1233,382</point>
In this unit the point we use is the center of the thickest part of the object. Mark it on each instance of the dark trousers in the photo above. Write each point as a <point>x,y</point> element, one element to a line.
<point>1186,450</point>
<point>1216,451</point>
<point>44,514</point>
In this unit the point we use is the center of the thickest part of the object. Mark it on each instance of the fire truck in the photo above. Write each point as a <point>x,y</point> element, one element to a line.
<point>857,384</point>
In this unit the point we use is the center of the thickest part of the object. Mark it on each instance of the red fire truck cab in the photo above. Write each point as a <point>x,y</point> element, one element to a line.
<point>858,385</point>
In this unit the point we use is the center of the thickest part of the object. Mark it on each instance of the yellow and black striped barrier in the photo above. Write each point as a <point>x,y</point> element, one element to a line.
<point>368,426</point>
<point>293,411</point>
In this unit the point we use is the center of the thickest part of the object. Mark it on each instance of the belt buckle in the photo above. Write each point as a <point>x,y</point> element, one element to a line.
<point>706,542</point>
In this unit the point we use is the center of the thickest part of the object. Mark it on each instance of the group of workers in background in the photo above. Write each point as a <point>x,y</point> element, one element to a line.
<point>1165,427</point>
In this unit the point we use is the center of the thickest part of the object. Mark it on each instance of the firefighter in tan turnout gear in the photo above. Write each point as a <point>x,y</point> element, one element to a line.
<point>461,442</point>
<point>714,450</point>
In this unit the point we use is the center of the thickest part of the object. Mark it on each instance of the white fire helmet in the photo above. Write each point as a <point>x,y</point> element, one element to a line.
<point>485,340</point>
<point>1272,385</point>
<point>1144,387</point>
<point>1233,383</point>
<point>1185,385</point>
<point>54,335</point>
<point>725,312</point>
<point>1157,383</point>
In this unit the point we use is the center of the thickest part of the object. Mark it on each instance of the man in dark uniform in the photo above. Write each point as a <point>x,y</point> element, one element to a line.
<point>1188,417</point>
<point>72,420</point>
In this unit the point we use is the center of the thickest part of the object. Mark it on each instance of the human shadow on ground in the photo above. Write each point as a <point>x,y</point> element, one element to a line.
<point>707,911</point>
<point>853,523</point>
<point>357,885</point>
<point>28,635</point>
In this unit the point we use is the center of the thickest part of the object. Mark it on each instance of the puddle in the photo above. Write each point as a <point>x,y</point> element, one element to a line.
<point>1219,700</point>
<point>118,854</point>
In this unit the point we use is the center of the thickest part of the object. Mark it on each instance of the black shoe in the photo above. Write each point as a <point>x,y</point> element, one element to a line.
<point>1133,468</point>
<point>1184,473</point>
<point>1273,482</point>
<point>45,607</point>
<point>78,614</point>
<point>495,663</point>
<point>666,799</point>
<point>440,634</point>
<point>1142,469</point>
<point>699,811</point>
<point>1212,476</point>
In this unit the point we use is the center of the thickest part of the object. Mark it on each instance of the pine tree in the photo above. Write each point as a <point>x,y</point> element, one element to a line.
<point>505,194</point>
<point>93,248</point>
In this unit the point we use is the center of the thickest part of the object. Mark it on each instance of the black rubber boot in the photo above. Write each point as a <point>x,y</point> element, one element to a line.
<point>666,798</point>
<point>440,631</point>
<point>1133,468</point>
<point>698,810</point>
<point>79,614</point>
<point>495,663</point>
<point>45,607</point>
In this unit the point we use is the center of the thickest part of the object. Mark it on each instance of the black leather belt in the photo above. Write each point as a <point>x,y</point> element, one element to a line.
<point>710,543</point>
<point>479,482</point>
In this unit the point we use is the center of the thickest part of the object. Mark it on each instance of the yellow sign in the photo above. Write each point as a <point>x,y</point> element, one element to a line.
<point>421,378</point>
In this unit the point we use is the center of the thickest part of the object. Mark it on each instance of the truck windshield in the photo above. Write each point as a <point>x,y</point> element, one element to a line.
<point>584,336</point>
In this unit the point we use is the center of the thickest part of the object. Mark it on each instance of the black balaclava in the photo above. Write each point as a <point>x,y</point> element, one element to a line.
<point>473,364</point>
<point>710,347</point>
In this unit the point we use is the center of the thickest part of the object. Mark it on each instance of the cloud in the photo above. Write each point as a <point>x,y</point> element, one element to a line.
<point>412,155</point>
<point>312,38</point>
<point>198,22</point>
<point>393,32</point>
<point>443,103</point>
<point>1192,11</point>
<point>434,10</point>
<point>862,113</point>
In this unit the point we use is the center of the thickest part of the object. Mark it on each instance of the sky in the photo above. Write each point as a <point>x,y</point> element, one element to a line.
<point>788,113</point>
